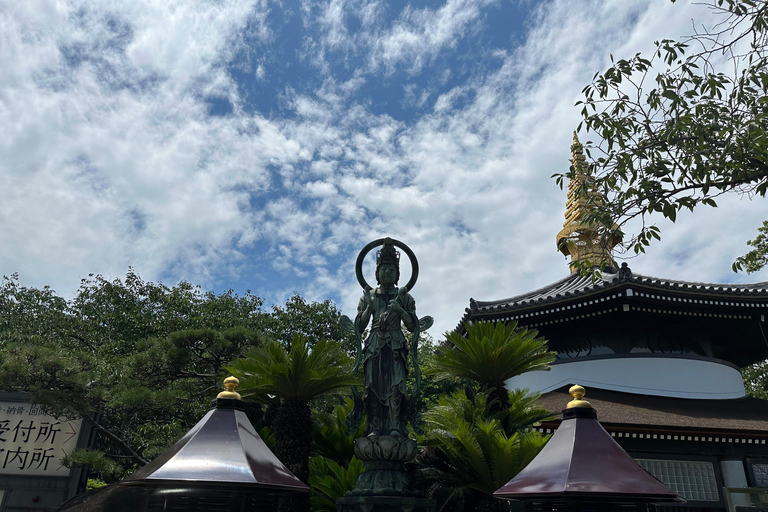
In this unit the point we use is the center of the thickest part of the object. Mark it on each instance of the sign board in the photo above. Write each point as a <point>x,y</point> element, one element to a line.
<point>33,443</point>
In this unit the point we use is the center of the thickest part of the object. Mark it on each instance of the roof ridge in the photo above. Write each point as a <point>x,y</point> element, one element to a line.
<point>515,298</point>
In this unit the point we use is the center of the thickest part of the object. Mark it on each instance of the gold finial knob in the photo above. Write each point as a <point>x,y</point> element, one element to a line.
<point>577,392</point>
<point>230,383</point>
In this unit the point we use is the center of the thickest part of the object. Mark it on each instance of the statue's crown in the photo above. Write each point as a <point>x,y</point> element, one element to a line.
<point>387,253</point>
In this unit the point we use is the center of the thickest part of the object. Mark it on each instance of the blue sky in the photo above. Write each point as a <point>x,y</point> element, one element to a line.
<point>260,144</point>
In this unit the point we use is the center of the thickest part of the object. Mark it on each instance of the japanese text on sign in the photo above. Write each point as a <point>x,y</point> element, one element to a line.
<point>32,443</point>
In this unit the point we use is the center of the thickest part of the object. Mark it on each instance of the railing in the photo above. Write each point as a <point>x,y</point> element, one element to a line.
<point>753,499</point>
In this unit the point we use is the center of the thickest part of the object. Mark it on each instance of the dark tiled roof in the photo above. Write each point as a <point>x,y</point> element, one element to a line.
<point>576,285</point>
<point>615,407</point>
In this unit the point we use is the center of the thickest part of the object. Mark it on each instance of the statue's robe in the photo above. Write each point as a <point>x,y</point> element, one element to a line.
<point>385,364</point>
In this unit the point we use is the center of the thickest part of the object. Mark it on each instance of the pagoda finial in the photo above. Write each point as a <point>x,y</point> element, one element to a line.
<point>577,392</point>
<point>230,383</point>
<point>579,239</point>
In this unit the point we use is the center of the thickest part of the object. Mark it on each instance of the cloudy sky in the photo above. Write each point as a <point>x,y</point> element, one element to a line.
<point>260,144</point>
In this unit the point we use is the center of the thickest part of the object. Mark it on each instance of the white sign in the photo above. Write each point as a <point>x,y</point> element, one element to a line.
<point>33,443</point>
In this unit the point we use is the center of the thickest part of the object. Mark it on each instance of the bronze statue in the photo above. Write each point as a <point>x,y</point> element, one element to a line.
<point>385,446</point>
<point>385,356</point>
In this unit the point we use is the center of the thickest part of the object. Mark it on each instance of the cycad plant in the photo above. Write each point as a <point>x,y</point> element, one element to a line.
<point>490,354</point>
<point>330,481</point>
<point>330,436</point>
<point>295,378</point>
<point>469,455</point>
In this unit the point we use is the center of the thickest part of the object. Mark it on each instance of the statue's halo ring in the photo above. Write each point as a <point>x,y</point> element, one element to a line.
<point>397,243</point>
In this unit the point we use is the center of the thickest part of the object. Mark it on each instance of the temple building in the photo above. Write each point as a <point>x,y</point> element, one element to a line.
<point>661,359</point>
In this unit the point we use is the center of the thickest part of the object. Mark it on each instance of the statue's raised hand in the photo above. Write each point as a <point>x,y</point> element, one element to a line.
<point>395,306</point>
<point>367,298</point>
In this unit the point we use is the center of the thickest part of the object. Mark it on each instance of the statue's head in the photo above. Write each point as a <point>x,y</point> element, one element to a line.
<point>387,263</point>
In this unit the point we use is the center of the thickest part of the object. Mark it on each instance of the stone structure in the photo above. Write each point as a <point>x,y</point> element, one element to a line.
<point>386,485</point>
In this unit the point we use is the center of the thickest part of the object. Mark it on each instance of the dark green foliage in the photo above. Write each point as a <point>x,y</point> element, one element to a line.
<point>757,258</point>
<point>478,439</point>
<point>491,354</point>
<point>333,468</point>
<point>125,312</point>
<point>294,378</point>
<point>140,362</point>
<point>675,132</point>
<point>469,454</point>
<point>524,411</point>
<point>330,439</point>
<point>756,380</point>
<point>302,373</point>
<point>94,459</point>
<point>433,388</point>
<point>330,481</point>
<point>312,320</point>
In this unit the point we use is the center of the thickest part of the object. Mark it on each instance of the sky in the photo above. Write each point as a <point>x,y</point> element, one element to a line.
<point>260,144</point>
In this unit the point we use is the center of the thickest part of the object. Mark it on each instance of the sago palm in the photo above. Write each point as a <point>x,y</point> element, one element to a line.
<point>469,455</point>
<point>491,354</point>
<point>295,378</point>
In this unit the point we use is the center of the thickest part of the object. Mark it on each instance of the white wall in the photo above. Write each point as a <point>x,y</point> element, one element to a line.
<point>658,376</point>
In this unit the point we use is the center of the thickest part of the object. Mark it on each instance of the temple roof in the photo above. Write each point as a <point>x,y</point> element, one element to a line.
<point>576,286</point>
<point>618,408</point>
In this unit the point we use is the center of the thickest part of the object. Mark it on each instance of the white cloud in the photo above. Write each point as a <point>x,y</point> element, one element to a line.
<point>113,158</point>
<point>420,34</point>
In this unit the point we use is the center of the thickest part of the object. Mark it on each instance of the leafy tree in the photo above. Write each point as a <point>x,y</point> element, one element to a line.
<point>757,258</point>
<point>126,311</point>
<point>491,354</point>
<point>294,378</point>
<point>138,361</point>
<point>756,380</point>
<point>138,403</point>
<point>675,130</point>
<point>312,320</point>
<point>470,454</point>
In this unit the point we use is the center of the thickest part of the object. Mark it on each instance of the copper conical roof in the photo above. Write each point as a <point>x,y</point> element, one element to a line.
<point>221,464</point>
<point>582,462</point>
<point>222,448</point>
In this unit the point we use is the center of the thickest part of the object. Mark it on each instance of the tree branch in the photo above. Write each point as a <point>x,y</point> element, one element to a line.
<point>116,440</point>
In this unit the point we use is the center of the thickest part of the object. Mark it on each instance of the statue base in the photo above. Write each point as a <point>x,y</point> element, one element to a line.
<point>384,504</point>
<point>385,474</point>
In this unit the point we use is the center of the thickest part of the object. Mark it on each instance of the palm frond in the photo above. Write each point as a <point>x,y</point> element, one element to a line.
<point>469,446</point>
<point>303,373</point>
<point>491,354</point>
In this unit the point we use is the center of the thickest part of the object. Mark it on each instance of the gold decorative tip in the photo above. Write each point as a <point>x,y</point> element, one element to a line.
<point>581,237</point>
<point>230,383</point>
<point>577,392</point>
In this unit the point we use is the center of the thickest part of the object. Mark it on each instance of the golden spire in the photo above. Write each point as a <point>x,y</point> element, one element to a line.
<point>230,383</point>
<point>577,392</point>
<point>580,240</point>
